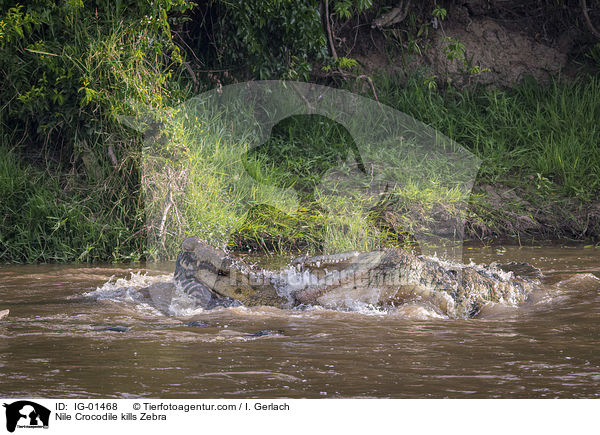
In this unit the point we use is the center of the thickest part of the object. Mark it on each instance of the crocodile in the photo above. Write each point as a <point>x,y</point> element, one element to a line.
<point>390,277</point>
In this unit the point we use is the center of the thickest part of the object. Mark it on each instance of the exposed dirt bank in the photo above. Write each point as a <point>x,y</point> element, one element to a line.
<point>506,40</point>
<point>521,214</point>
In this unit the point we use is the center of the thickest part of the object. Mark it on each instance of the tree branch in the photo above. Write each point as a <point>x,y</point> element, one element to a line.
<point>329,32</point>
<point>590,26</point>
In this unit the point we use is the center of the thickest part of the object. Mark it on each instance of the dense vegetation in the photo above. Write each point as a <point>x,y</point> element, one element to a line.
<point>70,178</point>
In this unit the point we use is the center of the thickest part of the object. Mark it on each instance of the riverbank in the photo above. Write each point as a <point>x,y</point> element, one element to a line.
<point>539,180</point>
<point>539,146</point>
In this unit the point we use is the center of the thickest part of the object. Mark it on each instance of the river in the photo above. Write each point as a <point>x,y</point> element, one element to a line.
<point>55,342</point>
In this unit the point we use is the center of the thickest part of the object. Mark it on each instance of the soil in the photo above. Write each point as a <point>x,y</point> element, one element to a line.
<point>500,212</point>
<point>505,42</point>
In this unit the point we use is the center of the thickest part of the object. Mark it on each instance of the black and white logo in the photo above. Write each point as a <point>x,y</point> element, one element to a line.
<point>26,414</point>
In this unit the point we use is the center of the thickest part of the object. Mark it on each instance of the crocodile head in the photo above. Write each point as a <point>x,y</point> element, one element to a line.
<point>201,268</point>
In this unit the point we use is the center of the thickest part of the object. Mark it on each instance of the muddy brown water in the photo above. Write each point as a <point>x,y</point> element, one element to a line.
<point>52,344</point>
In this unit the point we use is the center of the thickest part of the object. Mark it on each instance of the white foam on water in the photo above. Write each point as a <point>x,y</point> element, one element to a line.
<point>290,280</point>
<point>365,309</point>
<point>408,311</point>
<point>127,290</point>
<point>182,304</point>
<point>417,312</point>
<point>488,270</point>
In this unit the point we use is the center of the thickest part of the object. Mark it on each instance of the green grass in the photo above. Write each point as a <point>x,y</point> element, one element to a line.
<point>544,136</point>
<point>540,138</point>
<point>303,189</point>
<point>45,220</point>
